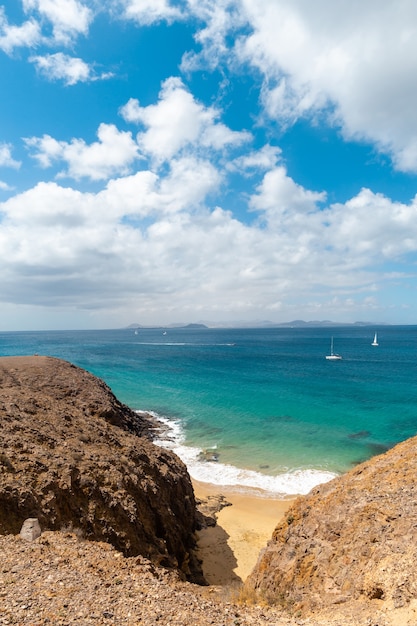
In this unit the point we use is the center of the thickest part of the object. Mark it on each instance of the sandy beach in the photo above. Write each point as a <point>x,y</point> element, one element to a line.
<point>230,549</point>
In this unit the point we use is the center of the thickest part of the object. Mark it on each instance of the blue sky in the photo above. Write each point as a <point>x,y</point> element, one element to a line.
<point>177,161</point>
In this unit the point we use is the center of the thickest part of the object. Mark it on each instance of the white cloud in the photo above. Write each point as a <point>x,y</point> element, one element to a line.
<point>354,65</point>
<point>48,205</point>
<point>153,240</point>
<point>178,121</point>
<point>71,70</point>
<point>11,37</point>
<point>69,18</point>
<point>188,183</point>
<point>362,63</point>
<point>279,195</point>
<point>263,159</point>
<point>6,159</point>
<point>113,153</point>
<point>220,18</point>
<point>150,11</point>
<point>148,244</point>
<point>375,226</point>
<point>60,66</point>
<point>144,194</point>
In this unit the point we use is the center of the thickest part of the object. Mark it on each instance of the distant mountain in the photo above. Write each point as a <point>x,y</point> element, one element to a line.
<point>260,324</point>
<point>182,325</point>
<point>292,324</point>
<point>136,326</point>
<point>248,324</point>
<point>325,323</point>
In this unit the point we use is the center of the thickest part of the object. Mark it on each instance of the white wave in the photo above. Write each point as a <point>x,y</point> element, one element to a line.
<point>160,343</point>
<point>181,343</point>
<point>291,483</point>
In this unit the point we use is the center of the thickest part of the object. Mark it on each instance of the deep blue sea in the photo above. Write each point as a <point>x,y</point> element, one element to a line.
<point>264,403</point>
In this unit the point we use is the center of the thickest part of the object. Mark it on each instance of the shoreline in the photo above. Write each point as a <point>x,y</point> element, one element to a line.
<point>230,550</point>
<point>205,468</point>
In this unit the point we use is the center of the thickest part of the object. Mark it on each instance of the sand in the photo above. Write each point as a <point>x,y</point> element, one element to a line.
<point>230,549</point>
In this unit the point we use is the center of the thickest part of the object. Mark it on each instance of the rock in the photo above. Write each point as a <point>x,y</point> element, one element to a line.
<point>211,455</point>
<point>208,507</point>
<point>352,539</point>
<point>75,457</point>
<point>31,529</point>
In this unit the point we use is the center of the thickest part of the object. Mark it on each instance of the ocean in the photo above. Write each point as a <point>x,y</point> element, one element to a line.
<point>255,409</point>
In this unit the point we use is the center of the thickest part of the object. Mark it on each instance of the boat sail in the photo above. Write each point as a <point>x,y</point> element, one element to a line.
<point>332,356</point>
<point>375,341</point>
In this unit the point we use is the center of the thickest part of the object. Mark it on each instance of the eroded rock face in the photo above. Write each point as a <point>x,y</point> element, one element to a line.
<point>71,455</point>
<point>352,538</point>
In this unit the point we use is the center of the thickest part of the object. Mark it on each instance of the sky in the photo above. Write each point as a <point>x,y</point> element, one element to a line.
<point>183,161</point>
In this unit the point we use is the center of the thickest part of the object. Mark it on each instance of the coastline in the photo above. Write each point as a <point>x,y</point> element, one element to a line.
<point>204,466</point>
<point>230,550</point>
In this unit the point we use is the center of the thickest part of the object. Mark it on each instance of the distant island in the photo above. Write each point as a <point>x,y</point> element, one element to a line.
<point>137,326</point>
<point>259,324</point>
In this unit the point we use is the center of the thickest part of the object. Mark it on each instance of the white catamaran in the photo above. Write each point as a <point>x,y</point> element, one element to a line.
<point>332,356</point>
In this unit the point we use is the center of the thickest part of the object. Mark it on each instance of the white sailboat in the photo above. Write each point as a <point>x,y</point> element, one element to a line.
<point>375,341</point>
<point>332,356</point>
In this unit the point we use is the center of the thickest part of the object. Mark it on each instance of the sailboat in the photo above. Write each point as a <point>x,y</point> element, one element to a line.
<point>332,356</point>
<point>375,341</point>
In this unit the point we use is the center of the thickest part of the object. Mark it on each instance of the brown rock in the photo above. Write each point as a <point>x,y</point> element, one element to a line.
<point>73,456</point>
<point>354,538</point>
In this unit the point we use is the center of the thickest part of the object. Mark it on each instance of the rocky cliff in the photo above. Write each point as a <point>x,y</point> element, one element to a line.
<point>73,456</point>
<point>354,538</point>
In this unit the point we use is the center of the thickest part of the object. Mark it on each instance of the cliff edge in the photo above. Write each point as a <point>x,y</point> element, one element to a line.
<point>73,456</point>
<point>352,539</point>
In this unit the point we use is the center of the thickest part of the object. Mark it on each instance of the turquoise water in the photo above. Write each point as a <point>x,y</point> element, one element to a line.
<point>277,414</point>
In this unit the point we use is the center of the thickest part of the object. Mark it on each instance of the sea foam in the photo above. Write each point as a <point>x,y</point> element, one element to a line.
<point>291,483</point>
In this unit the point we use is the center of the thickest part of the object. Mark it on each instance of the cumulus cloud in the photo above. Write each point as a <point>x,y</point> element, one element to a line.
<point>220,19</point>
<point>71,70</point>
<point>69,18</point>
<point>185,187</point>
<point>27,34</point>
<point>150,11</point>
<point>279,194</point>
<point>59,66</point>
<point>355,68</point>
<point>263,159</point>
<point>362,68</point>
<point>6,159</point>
<point>160,237</point>
<point>178,121</point>
<point>151,242</point>
<point>113,153</point>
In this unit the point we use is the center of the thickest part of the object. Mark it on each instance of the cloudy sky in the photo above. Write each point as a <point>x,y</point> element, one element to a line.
<point>186,160</point>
